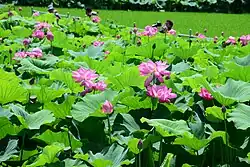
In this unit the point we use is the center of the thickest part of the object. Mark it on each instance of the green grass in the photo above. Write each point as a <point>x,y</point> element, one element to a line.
<point>230,24</point>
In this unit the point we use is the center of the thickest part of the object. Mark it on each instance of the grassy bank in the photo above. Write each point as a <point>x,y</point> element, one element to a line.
<point>231,24</point>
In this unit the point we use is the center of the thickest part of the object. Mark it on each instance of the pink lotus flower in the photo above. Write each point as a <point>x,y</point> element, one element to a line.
<point>88,84</point>
<point>148,80</point>
<point>26,42</point>
<point>36,14</point>
<point>83,75</point>
<point>42,25</point>
<point>50,36</point>
<point>101,86</point>
<point>243,40</point>
<point>201,36</point>
<point>38,34</point>
<point>158,69</point>
<point>231,40</point>
<point>98,43</point>
<point>161,70</point>
<point>107,107</point>
<point>147,68</point>
<point>172,32</point>
<point>205,94</point>
<point>36,52</point>
<point>149,31</point>
<point>248,37</point>
<point>107,52</point>
<point>161,92</point>
<point>86,91</point>
<point>20,55</point>
<point>96,19</point>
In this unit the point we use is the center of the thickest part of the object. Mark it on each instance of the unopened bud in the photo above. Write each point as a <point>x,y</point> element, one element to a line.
<point>154,46</point>
<point>223,109</point>
<point>140,144</point>
<point>139,43</point>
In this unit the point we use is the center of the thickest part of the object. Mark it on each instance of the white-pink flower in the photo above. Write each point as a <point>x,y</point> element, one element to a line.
<point>42,25</point>
<point>50,36</point>
<point>149,31</point>
<point>158,69</point>
<point>38,34</point>
<point>36,14</point>
<point>231,40</point>
<point>172,32</point>
<point>201,36</point>
<point>82,75</point>
<point>96,19</point>
<point>98,43</point>
<point>107,107</point>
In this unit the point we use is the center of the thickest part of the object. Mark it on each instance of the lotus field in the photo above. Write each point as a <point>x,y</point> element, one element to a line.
<point>83,92</point>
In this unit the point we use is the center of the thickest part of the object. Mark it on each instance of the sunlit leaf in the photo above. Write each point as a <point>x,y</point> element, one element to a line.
<point>11,91</point>
<point>90,105</point>
<point>50,137</point>
<point>167,127</point>
<point>61,110</point>
<point>240,116</point>
<point>49,155</point>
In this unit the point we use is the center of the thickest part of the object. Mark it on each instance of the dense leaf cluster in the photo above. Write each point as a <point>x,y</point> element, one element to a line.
<point>45,120</point>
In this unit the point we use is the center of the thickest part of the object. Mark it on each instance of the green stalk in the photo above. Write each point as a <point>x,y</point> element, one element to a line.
<point>10,59</point>
<point>51,47</point>
<point>69,142</point>
<point>109,130</point>
<point>22,147</point>
<point>160,153</point>
<point>226,148</point>
<point>139,156</point>
<point>213,154</point>
<point>222,154</point>
<point>152,54</point>
<point>165,37</point>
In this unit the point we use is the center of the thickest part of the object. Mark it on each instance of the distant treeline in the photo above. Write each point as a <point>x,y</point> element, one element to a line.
<point>223,6</point>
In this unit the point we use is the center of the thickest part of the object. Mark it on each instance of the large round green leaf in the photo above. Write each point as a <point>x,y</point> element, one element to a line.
<point>50,137</point>
<point>11,91</point>
<point>168,127</point>
<point>91,104</point>
<point>240,116</point>
<point>232,91</point>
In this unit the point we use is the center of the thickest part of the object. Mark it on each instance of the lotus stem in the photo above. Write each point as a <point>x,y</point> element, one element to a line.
<point>109,129</point>
<point>160,151</point>
<point>22,147</point>
<point>226,148</point>
<point>69,142</point>
<point>139,157</point>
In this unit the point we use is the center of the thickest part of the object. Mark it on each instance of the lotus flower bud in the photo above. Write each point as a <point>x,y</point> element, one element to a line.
<point>223,109</point>
<point>140,144</point>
